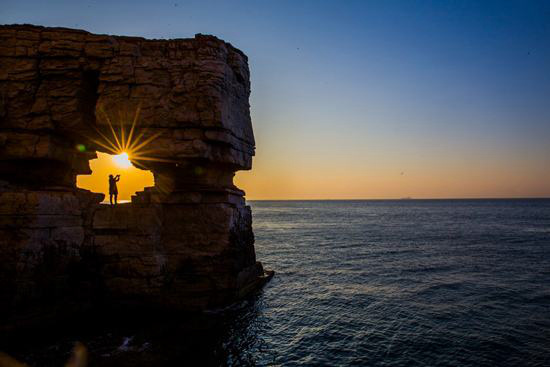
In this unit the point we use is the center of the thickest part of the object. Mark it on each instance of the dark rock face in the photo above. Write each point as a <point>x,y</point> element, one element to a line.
<point>186,243</point>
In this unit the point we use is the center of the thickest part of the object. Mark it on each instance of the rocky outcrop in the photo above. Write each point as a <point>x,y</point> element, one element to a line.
<point>186,243</point>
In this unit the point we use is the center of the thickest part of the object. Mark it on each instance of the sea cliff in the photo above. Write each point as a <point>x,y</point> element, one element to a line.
<point>184,244</point>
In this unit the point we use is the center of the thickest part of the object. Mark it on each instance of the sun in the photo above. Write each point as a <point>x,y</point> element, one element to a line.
<point>122,160</point>
<point>125,142</point>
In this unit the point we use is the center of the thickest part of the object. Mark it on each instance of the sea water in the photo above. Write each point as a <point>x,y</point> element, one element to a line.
<point>407,282</point>
<point>366,283</point>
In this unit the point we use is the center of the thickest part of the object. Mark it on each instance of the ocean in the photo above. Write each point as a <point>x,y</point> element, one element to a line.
<point>367,283</point>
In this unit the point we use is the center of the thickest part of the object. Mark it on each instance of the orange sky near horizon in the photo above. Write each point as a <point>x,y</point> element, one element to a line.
<point>421,182</point>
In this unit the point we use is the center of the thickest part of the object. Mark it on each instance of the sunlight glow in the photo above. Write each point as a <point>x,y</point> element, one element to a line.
<point>126,142</point>
<point>117,139</point>
<point>122,160</point>
<point>132,179</point>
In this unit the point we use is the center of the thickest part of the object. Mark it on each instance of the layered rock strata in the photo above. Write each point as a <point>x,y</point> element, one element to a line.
<point>65,94</point>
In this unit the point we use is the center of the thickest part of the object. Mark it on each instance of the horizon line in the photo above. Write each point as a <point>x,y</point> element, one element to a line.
<point>411,198</point>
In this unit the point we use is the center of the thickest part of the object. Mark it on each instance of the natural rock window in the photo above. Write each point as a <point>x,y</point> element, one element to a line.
<point>132,179</point>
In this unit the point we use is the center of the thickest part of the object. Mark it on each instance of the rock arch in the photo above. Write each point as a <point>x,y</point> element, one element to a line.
<point>187,243</point>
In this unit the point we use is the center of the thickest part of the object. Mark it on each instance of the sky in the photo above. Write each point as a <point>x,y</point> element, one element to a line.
<point>366,99</point>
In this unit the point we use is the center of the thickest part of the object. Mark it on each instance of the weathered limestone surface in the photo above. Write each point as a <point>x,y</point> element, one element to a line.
<point>187,243</point>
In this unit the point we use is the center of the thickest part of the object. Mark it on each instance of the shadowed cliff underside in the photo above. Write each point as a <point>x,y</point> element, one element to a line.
<point>185,244</point>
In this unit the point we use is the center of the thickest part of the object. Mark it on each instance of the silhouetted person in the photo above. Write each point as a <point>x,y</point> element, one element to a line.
<point>113,190</point>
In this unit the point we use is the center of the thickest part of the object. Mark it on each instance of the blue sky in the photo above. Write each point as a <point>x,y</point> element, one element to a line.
<point>348,95</point>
